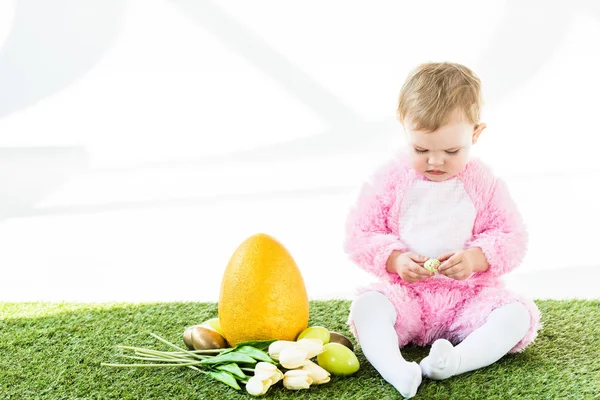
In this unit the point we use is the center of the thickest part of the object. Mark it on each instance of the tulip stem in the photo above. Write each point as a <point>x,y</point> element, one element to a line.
<point>165,341</point>
<point>184,360</point>
<point>160,356</point>
<point>208,351</point>
<point>158,353</point>
<point>176,347</point>
<point>151,365</point>
<point>181,358</point>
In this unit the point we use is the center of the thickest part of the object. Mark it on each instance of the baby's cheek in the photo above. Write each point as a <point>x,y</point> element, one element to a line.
<point>460,164</point>
<point>417,163</point>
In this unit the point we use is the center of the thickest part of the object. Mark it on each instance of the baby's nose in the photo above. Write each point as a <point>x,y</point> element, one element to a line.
<point>435,160</point>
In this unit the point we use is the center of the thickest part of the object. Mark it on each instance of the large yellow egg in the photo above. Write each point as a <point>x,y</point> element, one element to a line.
<point>262,293</point>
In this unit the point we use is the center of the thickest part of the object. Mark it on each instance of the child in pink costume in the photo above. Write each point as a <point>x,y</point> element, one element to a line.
<point>434,201</point>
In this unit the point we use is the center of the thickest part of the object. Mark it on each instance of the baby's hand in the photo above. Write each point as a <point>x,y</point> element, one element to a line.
<point>461,264</point>
<point>409,266</point>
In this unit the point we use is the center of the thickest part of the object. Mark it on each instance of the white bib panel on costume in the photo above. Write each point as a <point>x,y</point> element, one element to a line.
<point>436,217</point>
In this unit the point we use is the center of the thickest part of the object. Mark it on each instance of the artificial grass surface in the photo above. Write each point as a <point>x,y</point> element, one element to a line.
<point>54,351</point>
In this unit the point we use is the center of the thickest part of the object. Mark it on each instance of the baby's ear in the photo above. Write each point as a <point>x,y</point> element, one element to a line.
<point>478,129</point>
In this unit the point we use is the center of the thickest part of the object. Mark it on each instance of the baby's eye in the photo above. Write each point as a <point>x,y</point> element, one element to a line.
<point>452,152</point>
<point>420,151</point>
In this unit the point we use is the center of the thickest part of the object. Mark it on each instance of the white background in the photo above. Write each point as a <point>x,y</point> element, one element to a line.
<point>142,141</point>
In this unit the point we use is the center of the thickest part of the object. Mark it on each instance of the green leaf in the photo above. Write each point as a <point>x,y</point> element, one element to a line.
<point>255,353</point>
<point>224,377</point>
<point>234,370</point>
<point>257,344</point>
<point>229,358</point>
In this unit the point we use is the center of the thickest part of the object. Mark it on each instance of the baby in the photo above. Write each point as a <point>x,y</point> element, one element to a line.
<point>434,201</point>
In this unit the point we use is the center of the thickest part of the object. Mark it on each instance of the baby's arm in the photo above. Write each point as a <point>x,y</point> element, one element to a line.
<point>369,239</point>
<point>500,232</point>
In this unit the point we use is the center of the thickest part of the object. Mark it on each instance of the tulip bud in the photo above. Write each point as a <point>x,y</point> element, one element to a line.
<point>296,379</point>
<point>318,374</point>
<point>313,347</point>
<point>275,348</point>
<point>293,357</point>
<point>265,370</point>
<point>265,375</point>
<point>256,387</point>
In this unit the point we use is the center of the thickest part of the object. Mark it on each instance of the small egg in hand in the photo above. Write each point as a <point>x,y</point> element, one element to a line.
<point>432,265</point>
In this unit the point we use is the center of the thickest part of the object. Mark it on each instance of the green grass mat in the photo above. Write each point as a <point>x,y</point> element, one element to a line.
<point>54,351</point>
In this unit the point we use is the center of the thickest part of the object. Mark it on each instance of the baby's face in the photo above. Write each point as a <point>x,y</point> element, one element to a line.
<point>444,153</point>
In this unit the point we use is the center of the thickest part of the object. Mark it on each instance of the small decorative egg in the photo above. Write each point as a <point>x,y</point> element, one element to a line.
<point>199,337</point>
<point>335,337</point>
<point>432,264</point>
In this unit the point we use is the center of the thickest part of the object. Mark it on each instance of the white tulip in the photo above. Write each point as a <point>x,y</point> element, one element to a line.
<point>265,370</point>
<point>293,357</point>
<point>265,375</point>
<point>275,348</point>
<point>297,379</point>
<point>256,387</point>
<point>317,373</point>
<point>313,347</point>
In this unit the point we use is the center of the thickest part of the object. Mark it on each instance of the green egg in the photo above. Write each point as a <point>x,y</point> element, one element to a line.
<point>337,359</point>
<point>315,332</point>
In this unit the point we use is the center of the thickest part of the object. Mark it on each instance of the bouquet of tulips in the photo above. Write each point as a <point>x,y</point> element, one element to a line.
<point>256,364</point>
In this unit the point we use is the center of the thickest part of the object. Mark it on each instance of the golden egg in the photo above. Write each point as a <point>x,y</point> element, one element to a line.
<point>203,338</point>
<point>187,337</point>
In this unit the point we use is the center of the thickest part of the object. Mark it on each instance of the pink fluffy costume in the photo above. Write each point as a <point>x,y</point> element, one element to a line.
<point>403,210</point>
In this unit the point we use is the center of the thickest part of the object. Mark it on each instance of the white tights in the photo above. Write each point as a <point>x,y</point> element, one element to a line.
<point>374,317</point>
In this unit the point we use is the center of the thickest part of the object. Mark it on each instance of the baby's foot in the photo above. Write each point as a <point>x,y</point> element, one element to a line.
<point>442,362</point>
<point>407,379</point>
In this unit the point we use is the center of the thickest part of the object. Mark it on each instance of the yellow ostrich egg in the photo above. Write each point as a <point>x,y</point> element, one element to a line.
<point>263,295</point>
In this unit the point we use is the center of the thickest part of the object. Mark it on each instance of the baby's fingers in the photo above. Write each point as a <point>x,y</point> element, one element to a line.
<point>455,272</point>
<point>421,272</point>
<point>446,256</point>
<point>417,258</point>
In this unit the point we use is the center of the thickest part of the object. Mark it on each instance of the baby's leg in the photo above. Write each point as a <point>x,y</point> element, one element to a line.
<point>374,318</point>
<point>503,330</point>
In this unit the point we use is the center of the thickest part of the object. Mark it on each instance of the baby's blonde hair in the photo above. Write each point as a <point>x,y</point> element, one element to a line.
<point>434,91</point>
